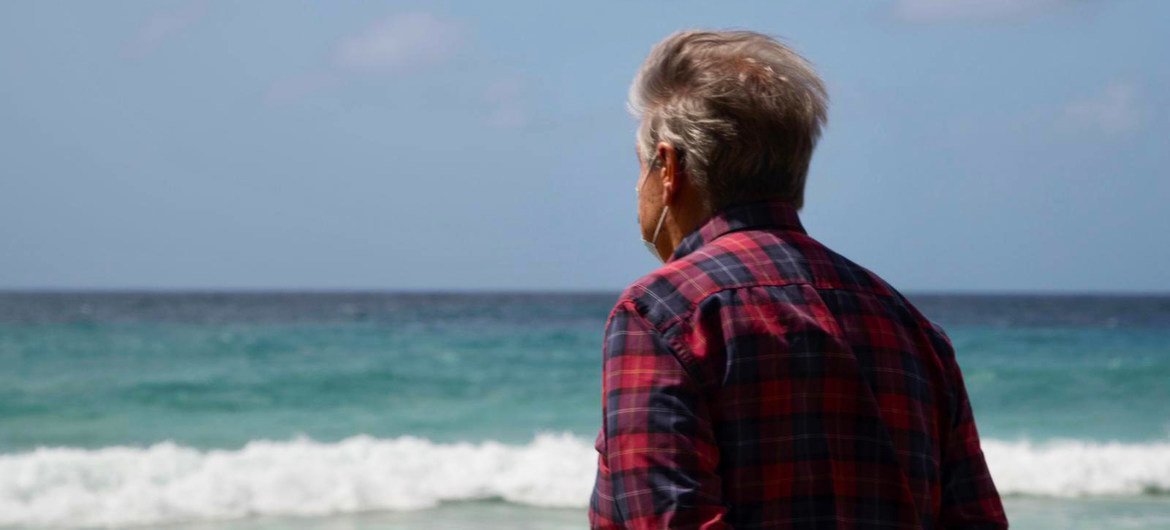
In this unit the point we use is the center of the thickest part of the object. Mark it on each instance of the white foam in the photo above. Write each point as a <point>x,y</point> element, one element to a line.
<point>165,483</point>
<point>1074,468</point>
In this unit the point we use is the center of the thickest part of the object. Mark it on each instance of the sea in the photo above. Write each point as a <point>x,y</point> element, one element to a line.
<point>355,410</point>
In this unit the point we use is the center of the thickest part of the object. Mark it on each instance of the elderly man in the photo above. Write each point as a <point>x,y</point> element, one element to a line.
<point>758,379</point>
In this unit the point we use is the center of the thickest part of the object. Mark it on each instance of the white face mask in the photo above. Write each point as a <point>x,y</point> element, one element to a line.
<point>650,245</point>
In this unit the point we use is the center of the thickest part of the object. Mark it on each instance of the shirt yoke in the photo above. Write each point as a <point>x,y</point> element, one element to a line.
<point>750,258</point>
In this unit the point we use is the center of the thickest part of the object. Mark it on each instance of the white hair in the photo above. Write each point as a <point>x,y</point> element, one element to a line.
<point>743,111</point>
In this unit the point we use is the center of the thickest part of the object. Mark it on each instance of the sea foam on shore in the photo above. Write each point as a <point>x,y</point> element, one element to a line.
<point>167,483</point>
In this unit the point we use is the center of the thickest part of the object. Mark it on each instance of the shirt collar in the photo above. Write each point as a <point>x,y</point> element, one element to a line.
<point>772,213</point>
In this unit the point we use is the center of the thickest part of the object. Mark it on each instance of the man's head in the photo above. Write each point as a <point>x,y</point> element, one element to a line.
<point>727,117</point>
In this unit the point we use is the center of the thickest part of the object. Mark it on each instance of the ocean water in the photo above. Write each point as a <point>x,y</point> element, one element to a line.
<point>376,410</point>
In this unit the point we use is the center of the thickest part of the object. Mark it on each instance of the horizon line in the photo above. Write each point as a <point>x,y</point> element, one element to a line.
<point>525,291</point>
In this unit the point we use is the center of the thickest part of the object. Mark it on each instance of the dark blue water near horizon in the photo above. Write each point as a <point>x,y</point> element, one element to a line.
<point>964,308</point>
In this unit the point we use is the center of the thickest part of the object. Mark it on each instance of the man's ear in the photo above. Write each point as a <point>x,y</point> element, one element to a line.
<point>671,171</point>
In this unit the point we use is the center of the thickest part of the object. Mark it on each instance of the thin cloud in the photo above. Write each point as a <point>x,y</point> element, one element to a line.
<point>1115,110</point>
<point>400,42</point>
<point>164,25</point>
<point>929,11</point>
<point>394,44</point>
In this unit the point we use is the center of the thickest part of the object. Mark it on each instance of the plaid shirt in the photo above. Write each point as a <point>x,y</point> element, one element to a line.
<point>760,380</point>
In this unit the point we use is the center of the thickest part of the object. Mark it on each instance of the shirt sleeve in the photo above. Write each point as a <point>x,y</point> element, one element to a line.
<point>657,455</point>
<point>969,496</point>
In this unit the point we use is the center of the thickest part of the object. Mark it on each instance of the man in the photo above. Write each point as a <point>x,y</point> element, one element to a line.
<point>758,379</point>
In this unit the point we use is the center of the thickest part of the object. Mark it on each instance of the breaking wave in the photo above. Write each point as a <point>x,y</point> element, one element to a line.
<point>166,482</point>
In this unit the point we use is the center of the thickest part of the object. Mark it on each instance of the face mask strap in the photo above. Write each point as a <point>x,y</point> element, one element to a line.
<point>650,245</point>
<point>658,228</point>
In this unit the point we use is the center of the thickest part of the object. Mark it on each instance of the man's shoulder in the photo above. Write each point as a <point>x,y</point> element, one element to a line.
<point>738,260</point>
<point>745,260</point>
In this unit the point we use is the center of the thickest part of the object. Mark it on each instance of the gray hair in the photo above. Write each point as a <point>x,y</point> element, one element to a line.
<point>744,111</point>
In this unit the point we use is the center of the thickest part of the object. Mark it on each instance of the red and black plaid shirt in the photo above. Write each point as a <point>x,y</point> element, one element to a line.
<point>760,380</point>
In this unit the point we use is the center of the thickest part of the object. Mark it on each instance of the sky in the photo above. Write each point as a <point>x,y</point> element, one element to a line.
<point>972,145</point>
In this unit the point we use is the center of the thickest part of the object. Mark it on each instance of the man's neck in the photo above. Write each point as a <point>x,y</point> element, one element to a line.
<point>685,217</point>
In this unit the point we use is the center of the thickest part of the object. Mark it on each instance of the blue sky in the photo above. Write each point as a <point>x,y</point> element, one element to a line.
<point>972,145</point>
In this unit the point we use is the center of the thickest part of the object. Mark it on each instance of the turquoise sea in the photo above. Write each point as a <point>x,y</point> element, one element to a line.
<point>381,410</point>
